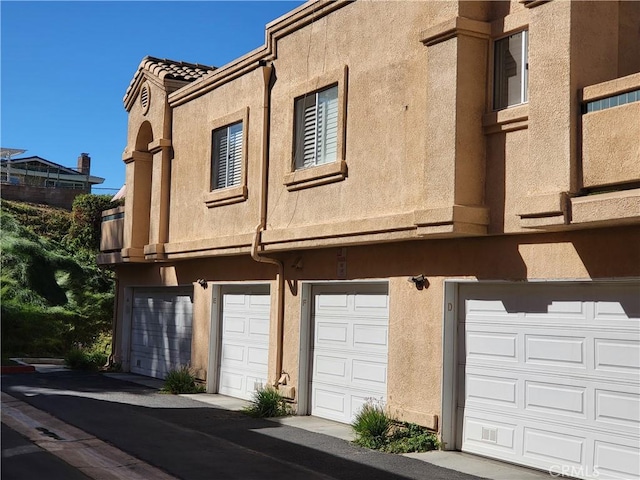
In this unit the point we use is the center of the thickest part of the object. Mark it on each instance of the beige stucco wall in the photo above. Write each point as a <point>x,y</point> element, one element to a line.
<point>379,43</point>
<point>191,166</point>
<point>420,136</point>
<point>420,139</point>
<point>415,325</point>
<point>600,141</point>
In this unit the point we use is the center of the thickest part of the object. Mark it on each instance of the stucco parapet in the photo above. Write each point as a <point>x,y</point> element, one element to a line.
<point>611,132</point>
<point>506,120</point>
<point>113,211</point>
<point>611,88</point>
<point>453,28</point>
<point>610,209</point>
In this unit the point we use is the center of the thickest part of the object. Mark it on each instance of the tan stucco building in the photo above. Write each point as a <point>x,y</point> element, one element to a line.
<point>433,204</point>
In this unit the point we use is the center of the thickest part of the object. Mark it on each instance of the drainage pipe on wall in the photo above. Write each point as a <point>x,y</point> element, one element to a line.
<point>267,70</point>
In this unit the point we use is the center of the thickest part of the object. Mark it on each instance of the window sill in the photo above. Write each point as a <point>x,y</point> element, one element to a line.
<point>314,176</point>
<point>226,196</point>
<point>507,119</point>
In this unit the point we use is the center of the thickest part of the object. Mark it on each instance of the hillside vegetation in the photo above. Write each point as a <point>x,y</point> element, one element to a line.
<point>53,295</point>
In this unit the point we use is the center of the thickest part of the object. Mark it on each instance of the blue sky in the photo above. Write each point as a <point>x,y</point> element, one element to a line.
<point>65,67</point>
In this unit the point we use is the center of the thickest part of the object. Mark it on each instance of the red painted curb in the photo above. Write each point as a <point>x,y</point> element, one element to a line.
<point>18,369</point>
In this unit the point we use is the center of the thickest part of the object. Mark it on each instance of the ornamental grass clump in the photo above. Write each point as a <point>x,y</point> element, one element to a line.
<point>377,430</point>
<point>181,380</point>
<point>267,402</point>
<point>371,426</point>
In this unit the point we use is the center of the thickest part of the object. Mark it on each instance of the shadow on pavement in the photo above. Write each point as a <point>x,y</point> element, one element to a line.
<point>190,441</point>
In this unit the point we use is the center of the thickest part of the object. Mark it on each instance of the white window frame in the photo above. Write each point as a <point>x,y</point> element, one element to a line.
<point>236,191</point>
<point>227,142</point>
<point>497,76</point>
<point>316,128</point>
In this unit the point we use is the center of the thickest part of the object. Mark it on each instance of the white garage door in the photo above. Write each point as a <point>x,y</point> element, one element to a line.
<point>551,377</point>
<point>244,352</point>
<point>161,330</point>
<point>349,351</point>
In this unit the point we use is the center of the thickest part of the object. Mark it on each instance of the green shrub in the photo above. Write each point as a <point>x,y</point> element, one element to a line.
<point>85,359</point>
<point>377,430</point>
<point>267,402</point>
<point>371,426</point>
<point>86,219</point>
<point>181,380</point>
<point>54,296</point>
<point>409,437</point>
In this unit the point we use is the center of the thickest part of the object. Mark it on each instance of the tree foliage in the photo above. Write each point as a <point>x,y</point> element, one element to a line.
<point>86,217</point>
<point>53,295</point>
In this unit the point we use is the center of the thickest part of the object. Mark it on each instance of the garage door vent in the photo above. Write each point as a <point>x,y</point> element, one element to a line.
<point>489,434</point>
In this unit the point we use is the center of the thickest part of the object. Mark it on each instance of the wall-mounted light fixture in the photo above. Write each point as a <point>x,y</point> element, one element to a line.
<point>203,283</point>
<point>420,281</point>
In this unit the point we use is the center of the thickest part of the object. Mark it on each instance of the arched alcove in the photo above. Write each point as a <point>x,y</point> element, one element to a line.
<point>144,137</point>
<point>142,186</point>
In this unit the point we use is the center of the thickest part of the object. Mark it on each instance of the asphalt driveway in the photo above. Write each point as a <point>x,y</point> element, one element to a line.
<point>188,439</point>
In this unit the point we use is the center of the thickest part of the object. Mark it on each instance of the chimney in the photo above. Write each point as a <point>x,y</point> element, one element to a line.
<point>84,163</point>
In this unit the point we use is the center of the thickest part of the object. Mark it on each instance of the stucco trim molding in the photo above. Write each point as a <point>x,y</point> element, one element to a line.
<point>607,209</point>
<point>109,258</point>
<point>533,3</point>
<point>226,196</point>
<point>158,145</point>
<point>236,243</point>
<point>452,221</point>
<point>154,251</point>
<point>137,156</point>
<point>545,211</point>
<point>506,120</point>
<point>314,176</point>
<point>132,255</point>
<point>453,28</point>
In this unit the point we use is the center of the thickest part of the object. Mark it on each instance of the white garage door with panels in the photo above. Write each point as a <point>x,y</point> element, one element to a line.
<point>161,329</point>
<point>350,326</point>
<point>244,351</point>
<point>549,376</point>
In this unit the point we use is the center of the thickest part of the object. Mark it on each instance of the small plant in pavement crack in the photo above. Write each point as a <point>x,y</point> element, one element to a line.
<point>181,380</point>
<point>268,402</point>
<point>377,430</point>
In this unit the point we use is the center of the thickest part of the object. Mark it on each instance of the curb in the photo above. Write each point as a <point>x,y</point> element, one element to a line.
<point>17,369</point>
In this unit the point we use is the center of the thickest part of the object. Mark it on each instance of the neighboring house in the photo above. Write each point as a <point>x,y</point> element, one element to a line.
<point>37,180</point>
<point>435,204</point>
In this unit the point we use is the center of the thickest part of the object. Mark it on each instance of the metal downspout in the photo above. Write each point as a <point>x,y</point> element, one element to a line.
<point>267,70</point>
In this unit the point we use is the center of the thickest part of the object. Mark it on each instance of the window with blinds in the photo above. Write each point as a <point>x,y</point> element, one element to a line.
<point>227,156</point>
<point>316,128</point>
